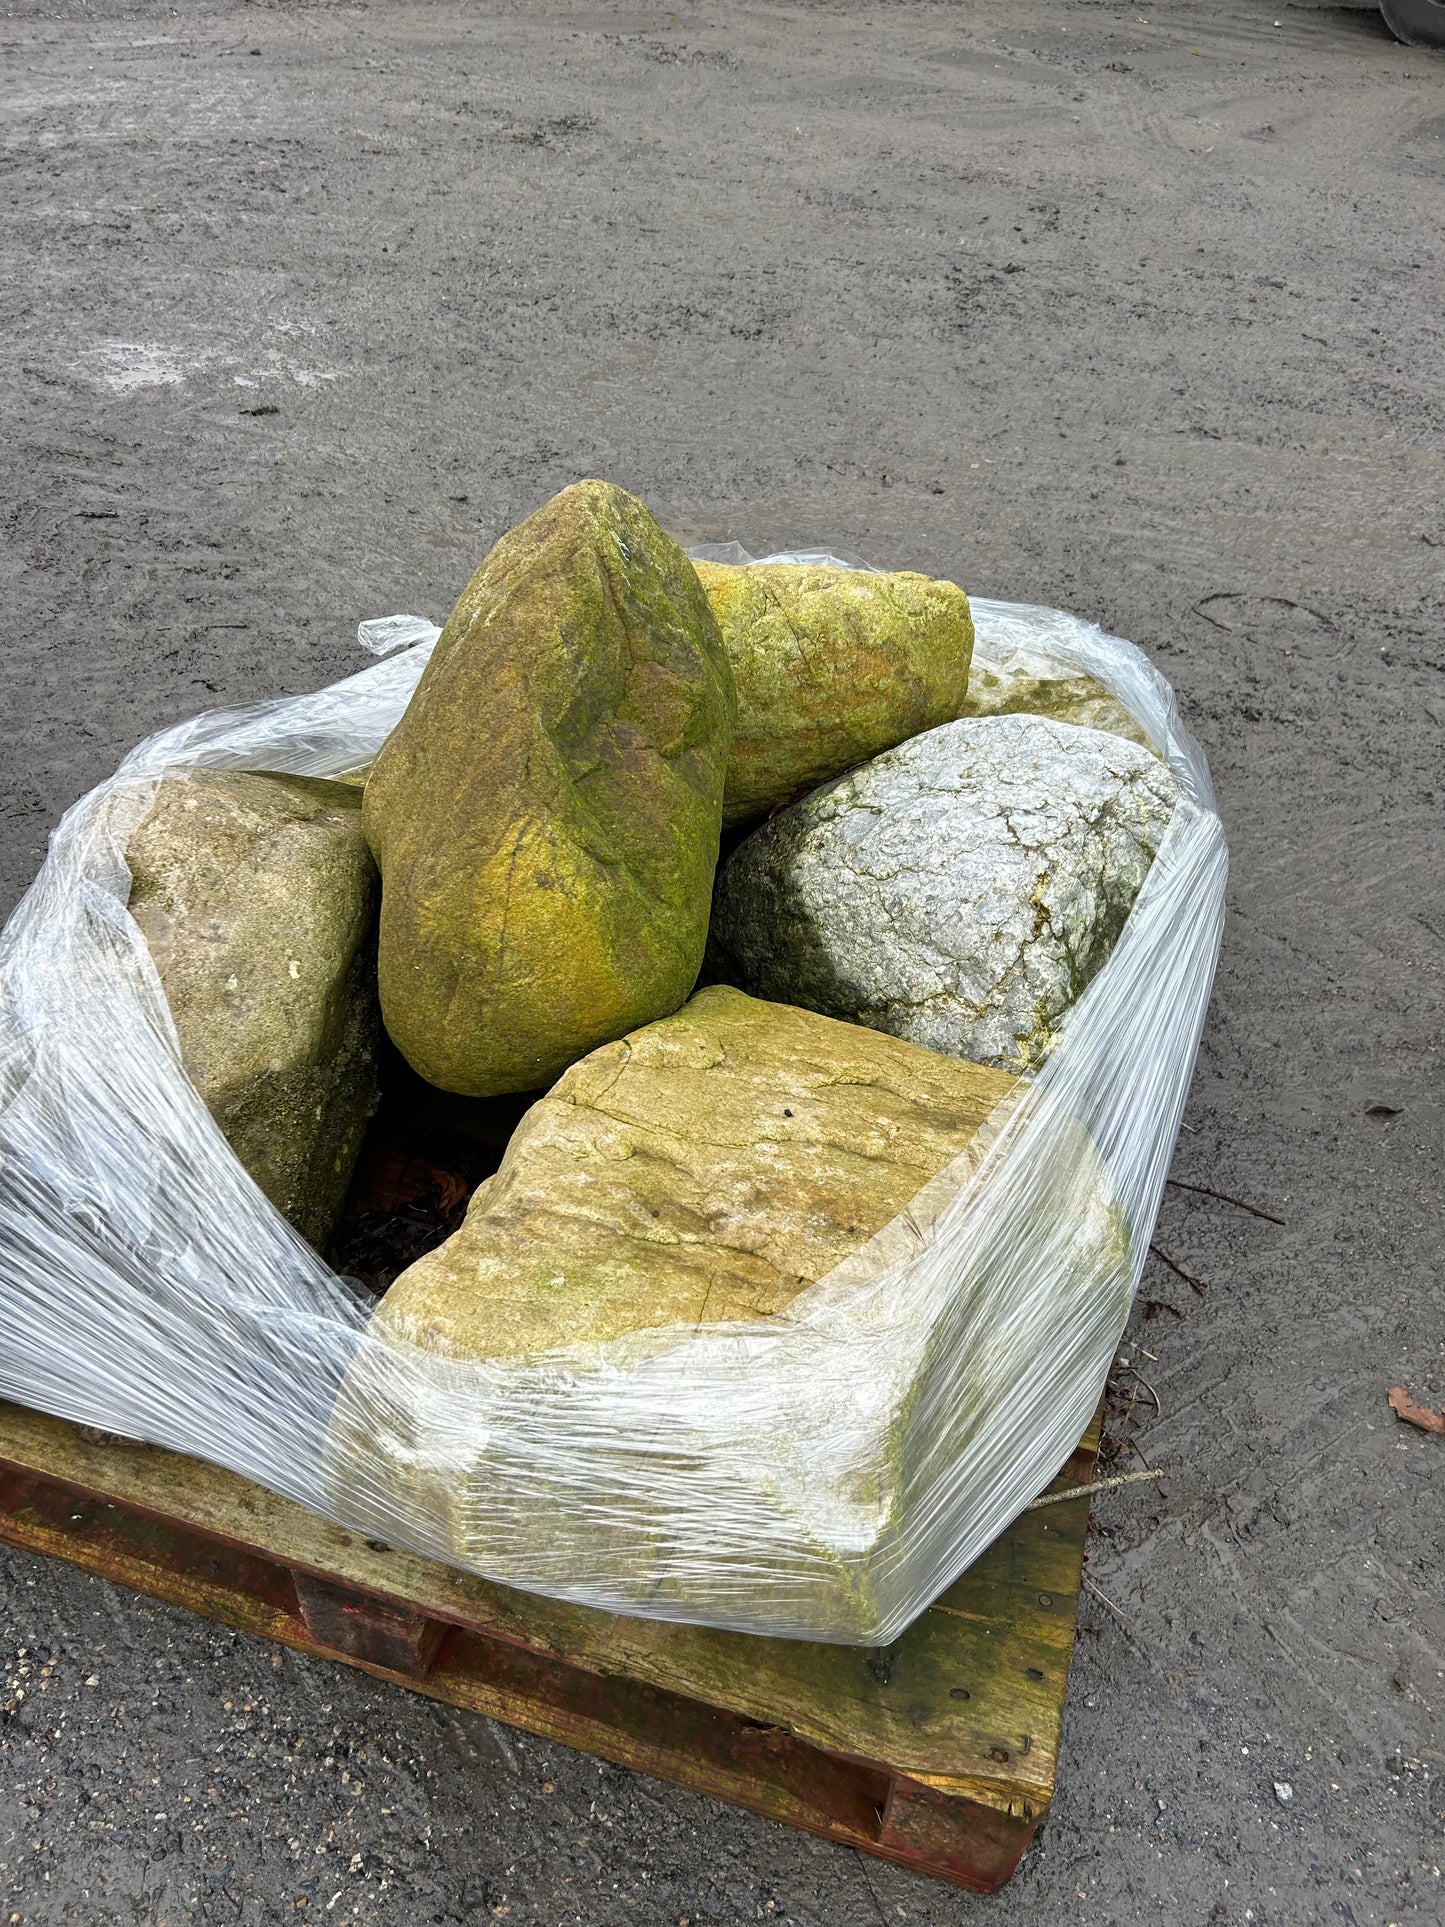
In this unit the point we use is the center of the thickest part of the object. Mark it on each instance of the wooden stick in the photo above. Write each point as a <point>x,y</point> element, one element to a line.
<point>1158,1408</point>
<point>1099,1485</point>
<point>1164,1257</point>
<point>1207,1191</point>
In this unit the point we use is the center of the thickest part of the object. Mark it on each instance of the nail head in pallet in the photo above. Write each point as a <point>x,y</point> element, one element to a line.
<point>938,1753</point>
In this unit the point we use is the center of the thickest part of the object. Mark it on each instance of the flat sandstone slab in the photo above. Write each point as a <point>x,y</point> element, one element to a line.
<point>701,1170</point>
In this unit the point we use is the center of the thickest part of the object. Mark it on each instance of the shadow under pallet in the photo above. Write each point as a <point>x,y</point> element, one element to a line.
<point>938,1753</point>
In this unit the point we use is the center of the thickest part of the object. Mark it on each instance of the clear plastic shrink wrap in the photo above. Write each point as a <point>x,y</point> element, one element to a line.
<point>822,1474</point>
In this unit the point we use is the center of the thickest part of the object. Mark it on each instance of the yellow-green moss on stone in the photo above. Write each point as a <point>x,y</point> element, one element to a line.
<point>562,1396</point>
<point>256,895</point>
<point>1016,686</point>
<point>703,1169</point>
<point>833,666</point>
<point>546,814</point>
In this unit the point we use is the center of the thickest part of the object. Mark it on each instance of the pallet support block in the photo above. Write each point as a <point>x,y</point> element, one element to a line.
<point>358,1626</point>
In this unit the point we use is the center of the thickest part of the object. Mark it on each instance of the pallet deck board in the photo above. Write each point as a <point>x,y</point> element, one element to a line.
<point>939,1752</point>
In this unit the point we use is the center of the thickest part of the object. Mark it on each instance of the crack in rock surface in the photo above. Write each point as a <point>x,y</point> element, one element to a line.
<point>959,891</point>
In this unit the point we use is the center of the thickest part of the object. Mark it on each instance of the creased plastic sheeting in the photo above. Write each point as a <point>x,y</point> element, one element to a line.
<point>823,1474</point>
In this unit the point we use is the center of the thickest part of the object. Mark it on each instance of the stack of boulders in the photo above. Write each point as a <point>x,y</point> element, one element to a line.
<point>923,875</point>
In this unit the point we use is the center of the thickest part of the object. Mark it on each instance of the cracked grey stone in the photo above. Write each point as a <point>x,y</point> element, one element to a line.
<point>959,891</point>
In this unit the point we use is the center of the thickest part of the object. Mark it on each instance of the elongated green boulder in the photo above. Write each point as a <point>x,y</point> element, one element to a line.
<point>256,895</point>
<point>546,814</point>
<point>832,666</point>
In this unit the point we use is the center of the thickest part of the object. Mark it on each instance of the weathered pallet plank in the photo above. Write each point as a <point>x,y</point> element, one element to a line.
<point>939,1753</point>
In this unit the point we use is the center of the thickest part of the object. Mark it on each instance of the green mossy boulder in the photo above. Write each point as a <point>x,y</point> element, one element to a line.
<point>546,814</point>
<point>256,895</point>
<point>832,666</point>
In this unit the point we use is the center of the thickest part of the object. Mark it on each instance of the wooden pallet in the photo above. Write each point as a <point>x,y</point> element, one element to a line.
<point>938,1753</point>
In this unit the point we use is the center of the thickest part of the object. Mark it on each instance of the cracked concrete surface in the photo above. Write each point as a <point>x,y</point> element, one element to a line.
<point>960,891</point>
<point>1131,310</point>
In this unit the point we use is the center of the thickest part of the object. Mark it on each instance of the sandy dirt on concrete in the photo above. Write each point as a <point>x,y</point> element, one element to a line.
<point>1132,309</point>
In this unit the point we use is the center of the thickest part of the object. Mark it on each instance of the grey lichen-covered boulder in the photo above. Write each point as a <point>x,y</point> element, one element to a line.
<point>256,895</point>
<point>959,891</point>
<point>1017,681</point>
<point>546,814</point>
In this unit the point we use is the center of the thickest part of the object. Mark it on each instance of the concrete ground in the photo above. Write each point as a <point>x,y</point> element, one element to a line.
<point>1130,308</point>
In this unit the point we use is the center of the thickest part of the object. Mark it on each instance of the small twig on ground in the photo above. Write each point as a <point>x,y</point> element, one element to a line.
<point>1207,1191</point>
<point>1099,1485</point>
<point>1305,609</point>
<point>1235,595</point>
<point>1164,1258</point>
<point>1200,610</point>
<point>1127,1416</point>
<point>1104,1597</point>
<point>1134,1447</point>
<point>1158,1408</point>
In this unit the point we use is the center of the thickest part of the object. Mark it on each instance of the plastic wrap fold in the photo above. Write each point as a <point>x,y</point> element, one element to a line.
<point>823,1474</point>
